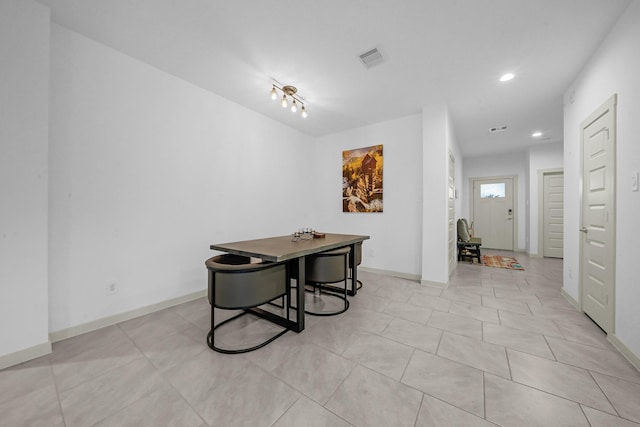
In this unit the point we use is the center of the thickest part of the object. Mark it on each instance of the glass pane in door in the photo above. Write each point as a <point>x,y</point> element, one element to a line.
<point>492,191</point>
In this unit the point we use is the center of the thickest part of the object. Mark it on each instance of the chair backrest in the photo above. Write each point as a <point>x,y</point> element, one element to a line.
<point>328,266</point>
<point>236,283</point>
<point>463,230</point>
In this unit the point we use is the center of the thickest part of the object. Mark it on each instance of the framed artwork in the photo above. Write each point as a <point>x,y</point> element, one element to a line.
<point>362,179</point>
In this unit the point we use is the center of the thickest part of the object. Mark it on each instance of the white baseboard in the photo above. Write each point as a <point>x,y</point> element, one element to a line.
<point>613,339</point>
<point>434,284</point>
<point>403,276</point>
<point>569,298</point>
<point>626,352</point>
<point>389,273</point>
<point>415,277</point>
<point>25,355</point>
<point>121,317</point>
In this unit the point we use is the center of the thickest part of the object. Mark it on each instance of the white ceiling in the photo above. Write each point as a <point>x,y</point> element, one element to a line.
<point>436,51</point>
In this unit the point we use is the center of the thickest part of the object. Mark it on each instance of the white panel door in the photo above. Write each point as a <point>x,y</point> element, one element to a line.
<point>553,213</point>
<point>493,212</point>
<point>598,216</point>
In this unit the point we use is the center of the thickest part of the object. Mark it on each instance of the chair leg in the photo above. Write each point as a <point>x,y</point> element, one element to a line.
<point>358,283</point>
<point>211,334</point>
<point>335,292</point>
<point>276,305</point>
<point>342,295</point>
<point>210,337</point>
<point>288,300</point>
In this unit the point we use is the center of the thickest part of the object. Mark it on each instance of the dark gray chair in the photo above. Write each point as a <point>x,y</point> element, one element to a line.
<point>468,247</point>
<point>325,268</point>
<point>358,261</point>
<point>237,284</point>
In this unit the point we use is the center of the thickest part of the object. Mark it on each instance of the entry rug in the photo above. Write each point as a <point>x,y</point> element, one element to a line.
<point>501,262</point>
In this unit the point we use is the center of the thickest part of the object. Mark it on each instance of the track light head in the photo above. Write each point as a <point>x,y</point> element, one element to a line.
<point>289,91</point>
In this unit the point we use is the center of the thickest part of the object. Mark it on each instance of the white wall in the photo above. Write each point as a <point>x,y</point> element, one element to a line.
<point>614,68</point>
<point>146,171</point>
<point>437,137</point>
<point>410,237</point>
<point>512,164</point>
<point>396,233</point>
<point>541,157</point>
<point>24,109</point>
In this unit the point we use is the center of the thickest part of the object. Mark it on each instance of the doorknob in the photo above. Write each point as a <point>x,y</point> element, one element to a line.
<point>583,229</point>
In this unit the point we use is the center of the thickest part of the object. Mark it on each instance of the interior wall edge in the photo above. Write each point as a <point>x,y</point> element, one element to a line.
<point>570,299</point>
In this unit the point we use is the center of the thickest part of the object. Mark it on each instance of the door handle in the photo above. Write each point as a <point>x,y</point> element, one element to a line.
<point>583,230</point>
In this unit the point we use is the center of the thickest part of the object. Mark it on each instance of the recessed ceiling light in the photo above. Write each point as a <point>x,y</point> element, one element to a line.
<point>536,134</point>
<point>507,77</point>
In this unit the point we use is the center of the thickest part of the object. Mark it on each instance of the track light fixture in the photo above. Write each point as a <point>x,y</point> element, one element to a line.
<point>289,92</point>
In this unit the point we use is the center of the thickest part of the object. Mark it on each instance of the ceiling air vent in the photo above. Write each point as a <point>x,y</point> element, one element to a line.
<point>498,129</point>
<point>371,57</point>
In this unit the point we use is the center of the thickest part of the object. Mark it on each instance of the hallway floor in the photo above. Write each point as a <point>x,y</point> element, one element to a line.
<point>497,347</point>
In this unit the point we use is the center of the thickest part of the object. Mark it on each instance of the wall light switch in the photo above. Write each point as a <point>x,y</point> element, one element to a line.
<point>634,181</point>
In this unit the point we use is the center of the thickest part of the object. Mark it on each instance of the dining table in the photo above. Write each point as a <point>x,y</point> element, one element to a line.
<point>294,248</point>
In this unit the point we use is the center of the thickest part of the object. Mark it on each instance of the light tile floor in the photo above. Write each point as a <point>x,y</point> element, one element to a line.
<point>497,347</point>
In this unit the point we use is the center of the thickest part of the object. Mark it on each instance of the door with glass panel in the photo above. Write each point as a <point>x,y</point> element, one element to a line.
<point>493,212</point>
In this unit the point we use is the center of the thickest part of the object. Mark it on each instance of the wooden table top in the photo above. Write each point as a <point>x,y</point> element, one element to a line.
<point>282,248</point>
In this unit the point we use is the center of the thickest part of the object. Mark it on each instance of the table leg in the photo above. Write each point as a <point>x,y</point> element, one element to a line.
<point>354,270</point>
<point>299,326</point>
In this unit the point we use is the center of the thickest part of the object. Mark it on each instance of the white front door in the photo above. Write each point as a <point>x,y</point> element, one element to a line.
<point>493,212</point>
<point>553,215</point>
<point>597,278</point>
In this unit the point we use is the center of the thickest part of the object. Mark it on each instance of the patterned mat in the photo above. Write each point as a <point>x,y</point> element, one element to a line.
<point>500,261</point>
